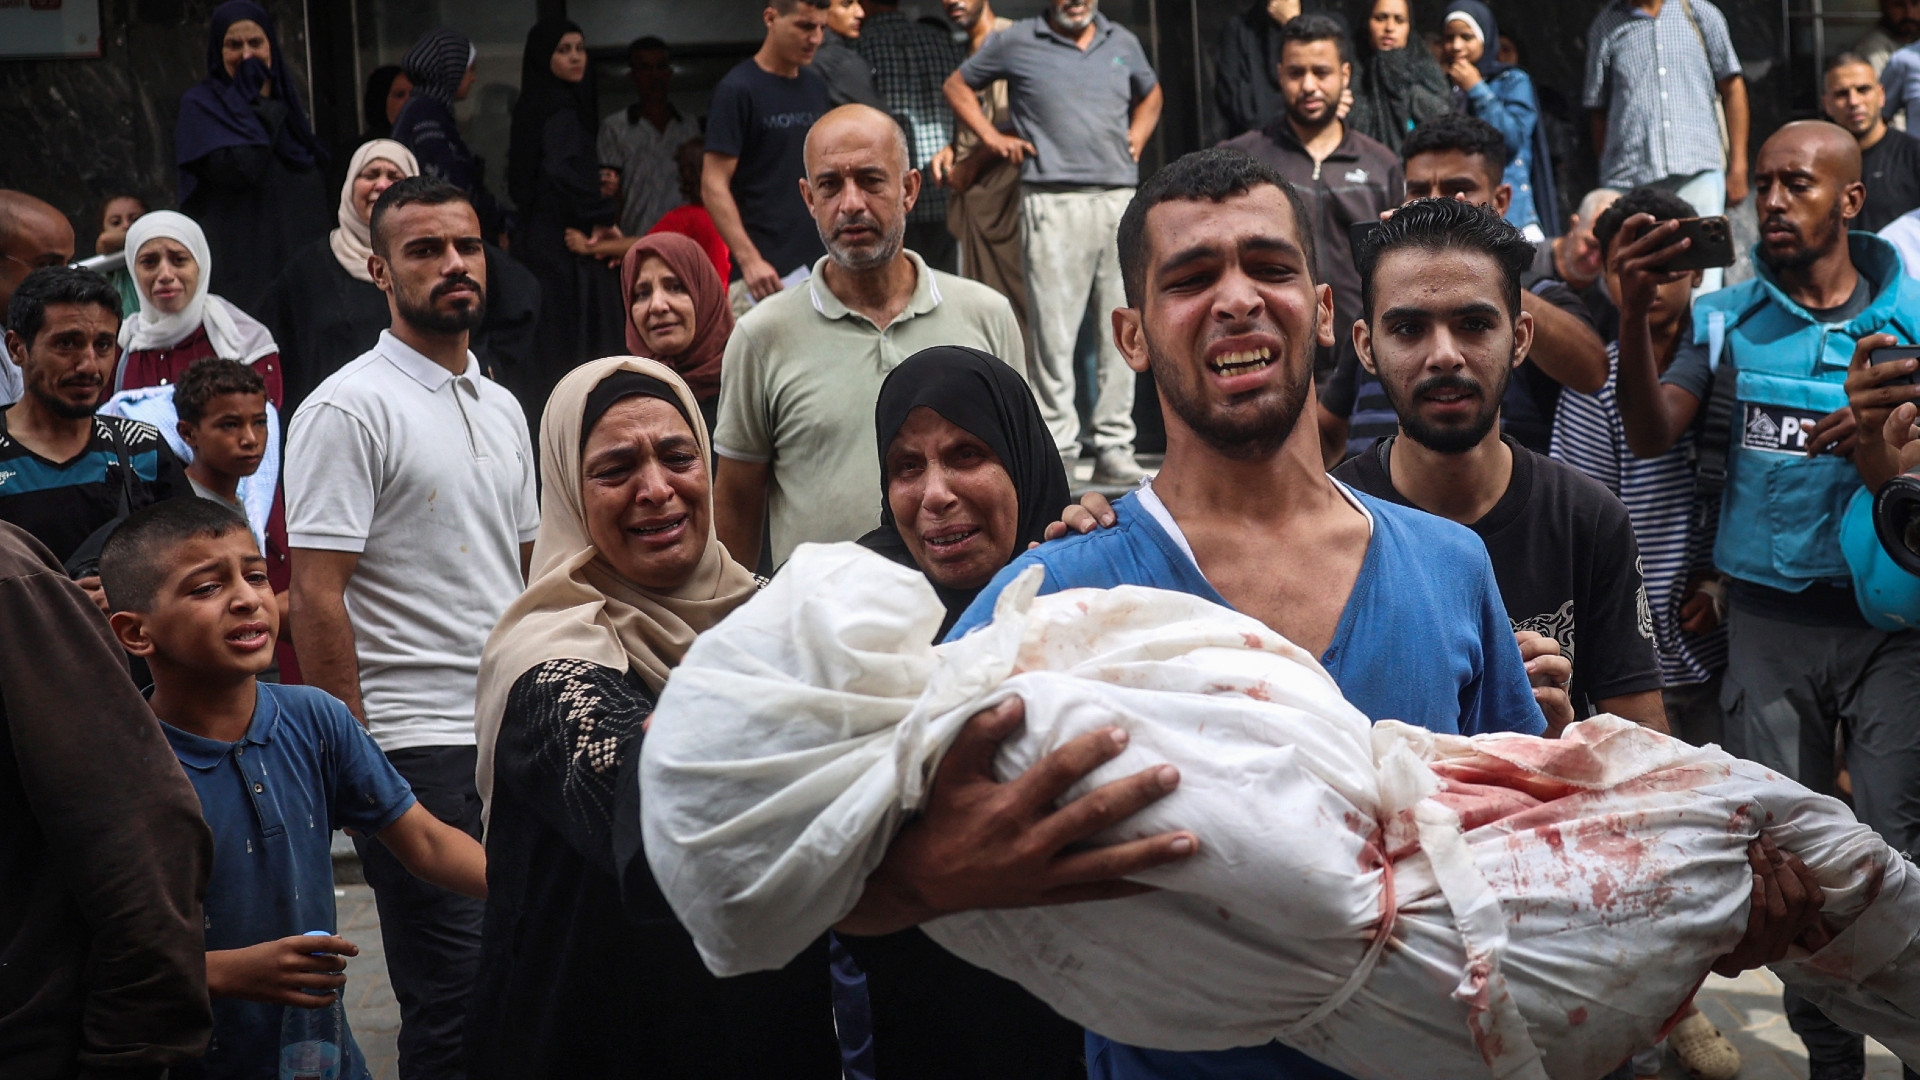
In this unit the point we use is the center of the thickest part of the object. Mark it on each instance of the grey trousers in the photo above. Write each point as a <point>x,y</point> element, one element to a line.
<point>1068,243</point>
<point>1788,687</point>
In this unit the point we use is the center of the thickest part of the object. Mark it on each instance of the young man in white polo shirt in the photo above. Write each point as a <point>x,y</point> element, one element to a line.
<point>411,512</point>
<point>802,370</point>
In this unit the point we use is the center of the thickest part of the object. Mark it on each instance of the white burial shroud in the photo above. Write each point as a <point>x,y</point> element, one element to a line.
<point>1396,903</point>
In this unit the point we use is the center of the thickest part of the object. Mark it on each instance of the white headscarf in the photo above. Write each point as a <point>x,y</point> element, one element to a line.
<point>1473,24</point>
<point>351,242</point>
<point>234,334</point>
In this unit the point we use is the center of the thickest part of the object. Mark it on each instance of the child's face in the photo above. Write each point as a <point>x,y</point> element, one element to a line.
<point>231,437</point>
<point>214,612</point>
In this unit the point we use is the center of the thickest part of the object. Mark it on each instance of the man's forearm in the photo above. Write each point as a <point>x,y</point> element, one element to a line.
<point>726,218</point>
<point>1643,414</point>
<point>327,657</point>
<point>1733,96</point>
<point>1145,117</point>
<point>966,106</point>
<point>1564,347</point>
<point>739,509</point>
<point>1646,708</point>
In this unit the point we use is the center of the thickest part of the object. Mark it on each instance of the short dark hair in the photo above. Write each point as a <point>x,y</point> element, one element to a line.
<point>134,563</point>
<point>208,378</point>
<point>1664,205</point>
<point>421,190</point>
<point>1212,175</point>
<point>785,7</point>
<point>1841,60</point>
<point>1468,135</point>
<point>647,43</point>
<point>27,311</point>
<point>1435,225</point>
<point>1318,26</point>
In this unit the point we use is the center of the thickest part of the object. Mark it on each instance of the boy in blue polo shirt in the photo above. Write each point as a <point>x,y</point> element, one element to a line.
<point>277,769</point>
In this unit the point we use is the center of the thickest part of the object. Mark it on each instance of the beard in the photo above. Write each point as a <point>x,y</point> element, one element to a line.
<point>1062,21</point>
<point>856,259</point>
<point>1450,440</point>
<point>426,316</point>
<point>61,407</point>
<point>1251,429</point>
<point>1806,252</point>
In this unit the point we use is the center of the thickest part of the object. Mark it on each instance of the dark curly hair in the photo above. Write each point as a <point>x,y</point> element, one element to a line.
<point>1663,205</point>
<point>208,378</point>
<point>1213,175</point>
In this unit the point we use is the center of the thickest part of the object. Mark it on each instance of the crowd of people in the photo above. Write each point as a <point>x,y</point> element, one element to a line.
<point>398,519</point>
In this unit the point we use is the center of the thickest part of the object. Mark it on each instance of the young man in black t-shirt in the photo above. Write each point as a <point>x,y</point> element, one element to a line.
<point>1443,332</point>
<point>757,130</point>
<point>1889,158</point>
<point>64,472</point>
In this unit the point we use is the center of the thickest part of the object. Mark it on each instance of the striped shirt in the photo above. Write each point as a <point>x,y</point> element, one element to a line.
<point>1657,87</point>
<point>1658,492</point>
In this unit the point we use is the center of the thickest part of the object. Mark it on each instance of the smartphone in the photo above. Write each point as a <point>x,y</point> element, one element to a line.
<point>1897,352</point>
<point>1712,244</point>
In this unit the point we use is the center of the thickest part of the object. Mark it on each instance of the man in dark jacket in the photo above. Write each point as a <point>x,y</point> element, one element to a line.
<point>1246,60</point>
<point>102,848</point>
<point>1346,177</point>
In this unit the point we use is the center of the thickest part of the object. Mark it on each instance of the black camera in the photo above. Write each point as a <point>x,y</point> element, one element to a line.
<point>1896,518</point>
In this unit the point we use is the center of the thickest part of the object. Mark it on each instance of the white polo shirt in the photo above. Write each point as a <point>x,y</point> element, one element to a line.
<point>430,476</point>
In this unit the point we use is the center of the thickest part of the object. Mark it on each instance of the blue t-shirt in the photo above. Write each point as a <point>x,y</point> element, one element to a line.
<point>1424,639</point>
<point>272,801</point>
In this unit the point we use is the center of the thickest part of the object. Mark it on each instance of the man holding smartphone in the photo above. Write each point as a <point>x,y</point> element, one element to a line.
<point>1771,383</point>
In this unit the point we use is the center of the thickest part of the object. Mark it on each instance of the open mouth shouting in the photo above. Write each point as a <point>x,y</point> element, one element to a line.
<point>662,532</point>
<point>1242,362</point>
<point>949,540</point>
<point>249,637</point>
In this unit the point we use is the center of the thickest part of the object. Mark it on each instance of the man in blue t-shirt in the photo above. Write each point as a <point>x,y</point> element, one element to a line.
<point>1400,606</point>
<point>756,136</point>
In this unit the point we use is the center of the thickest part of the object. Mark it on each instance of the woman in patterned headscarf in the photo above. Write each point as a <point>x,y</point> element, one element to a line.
<point>584,970</point>
<point>440,66</point>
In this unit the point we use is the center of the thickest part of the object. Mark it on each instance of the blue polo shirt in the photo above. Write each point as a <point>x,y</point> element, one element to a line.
<point>1424,639</point>
<point>272,801</point>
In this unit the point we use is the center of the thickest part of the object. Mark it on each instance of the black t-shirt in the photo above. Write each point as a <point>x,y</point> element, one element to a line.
<point>762,119</point>
<point>63,503</point>
<point>1564,555</point>
<point>1891,171</point>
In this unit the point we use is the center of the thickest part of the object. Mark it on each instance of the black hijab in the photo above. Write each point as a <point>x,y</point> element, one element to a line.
<point>981,395</point>
<point>373,104</point>
<point>542,94</point>
<point>218,111</point>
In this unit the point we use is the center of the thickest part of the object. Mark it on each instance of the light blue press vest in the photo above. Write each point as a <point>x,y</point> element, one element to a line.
<point>1781,511</point>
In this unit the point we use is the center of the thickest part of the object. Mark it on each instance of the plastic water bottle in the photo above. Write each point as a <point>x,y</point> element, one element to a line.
<point>312,1040</point>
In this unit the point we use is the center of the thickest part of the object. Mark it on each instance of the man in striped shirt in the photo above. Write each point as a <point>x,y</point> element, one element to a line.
<point>1676,545</point>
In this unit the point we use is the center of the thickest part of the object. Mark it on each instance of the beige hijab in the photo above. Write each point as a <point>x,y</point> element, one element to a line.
<point>576,605</point>
<point>352,242</point>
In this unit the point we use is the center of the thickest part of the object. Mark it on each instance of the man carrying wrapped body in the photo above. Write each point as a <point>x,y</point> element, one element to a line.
<point>1395,900</point>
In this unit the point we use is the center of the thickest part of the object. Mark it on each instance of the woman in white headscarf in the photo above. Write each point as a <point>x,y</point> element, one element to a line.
<point>180,319</point>
<point>324,307</point>
<point>582,963</point>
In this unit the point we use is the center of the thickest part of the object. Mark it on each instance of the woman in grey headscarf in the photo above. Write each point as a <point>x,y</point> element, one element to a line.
<point>440,66</point>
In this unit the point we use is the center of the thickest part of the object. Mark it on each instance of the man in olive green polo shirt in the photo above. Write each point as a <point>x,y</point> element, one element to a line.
<point>803,368</point>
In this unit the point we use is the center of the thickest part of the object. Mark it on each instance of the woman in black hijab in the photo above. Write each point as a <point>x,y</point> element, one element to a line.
<point>387,91</point>
<point>249,163</point>
<point>553,175</point>
<point>969,477</point>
